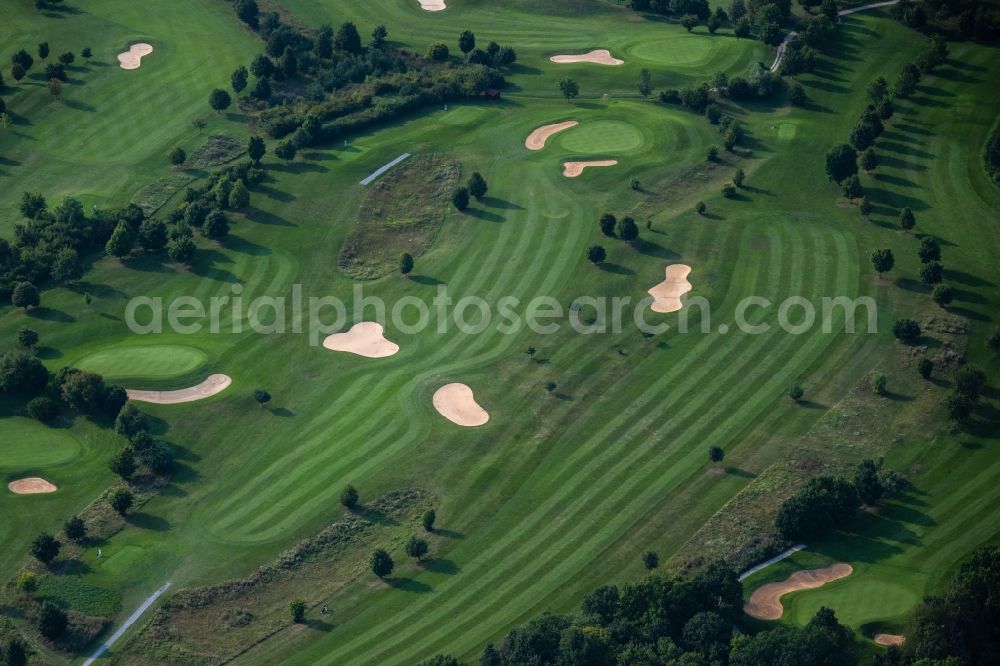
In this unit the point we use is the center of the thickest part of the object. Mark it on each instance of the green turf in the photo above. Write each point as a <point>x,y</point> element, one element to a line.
<point>558,493</point>
<point>27,444</point>
<point>610,137</point>
<point>146,361</point>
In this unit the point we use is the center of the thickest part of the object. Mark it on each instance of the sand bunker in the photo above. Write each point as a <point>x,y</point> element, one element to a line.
<point>31,486</point>
<point>456,403</point>
<point>765,602</point>
<point>600,57</point>
<point>132,58</point>
<point>667,294</point>
<point>574,169</point>
<point>536,140</point>
<point>432,5</point>
<point>364,339</point>
<point>889,639</point>
<point>214,384</point>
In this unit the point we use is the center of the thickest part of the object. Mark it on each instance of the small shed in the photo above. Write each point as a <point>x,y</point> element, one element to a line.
<point>492,94</point>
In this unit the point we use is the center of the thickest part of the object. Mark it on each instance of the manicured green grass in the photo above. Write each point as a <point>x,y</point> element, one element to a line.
<point>611,137</point>
<point>27,444</point>
<point>144,361</point>
<point>560,492</point>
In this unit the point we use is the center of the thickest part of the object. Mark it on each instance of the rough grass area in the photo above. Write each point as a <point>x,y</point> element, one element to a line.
<point>861,426</point>
<point>217,623</point>
<point>152,197</point>
<point>72,593</point>
<point>402,213</point>
<point>217,150</point>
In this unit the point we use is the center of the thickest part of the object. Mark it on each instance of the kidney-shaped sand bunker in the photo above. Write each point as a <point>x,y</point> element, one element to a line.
<point>132,58</point>
<point>456,403</point>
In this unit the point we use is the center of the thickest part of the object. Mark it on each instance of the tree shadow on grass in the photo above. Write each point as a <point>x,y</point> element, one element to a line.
<point>894,180</point>
<point>298,167</point>
<point>970,314</point>
<point>967,279</point>
<point>739,472</point>
<point>968,296</point>
<point>655,250</point>
<point>448,534</point>
<point>616,269</point>
<point>48,353</point>
<point>442,566</point>
<point>426,280</point>
<point>146,262</point>
<point>319,625</point>
<point>50,314</point>
<point>409,585</point>
<point>263,217</point>
<point>244,246</point>
<point>275,194</point>
<point>913,285</point>
<point>282,412</point>
<point>481,214</point>
<point>495,202</point>
<point>147,521</point>
<point>204,266</point>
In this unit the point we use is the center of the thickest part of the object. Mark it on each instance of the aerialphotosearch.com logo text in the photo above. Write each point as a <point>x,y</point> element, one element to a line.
<point>319,316</point>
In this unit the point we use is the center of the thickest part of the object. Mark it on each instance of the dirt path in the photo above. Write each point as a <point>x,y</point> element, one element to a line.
<point>844,12</point>
<point>765,601</point>
<point>132,619</point>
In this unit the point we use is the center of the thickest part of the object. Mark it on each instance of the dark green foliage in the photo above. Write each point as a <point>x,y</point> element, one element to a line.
<point>851,187</point>
<point>256,149</point>
<point>929,250</point>
<point>797,95</point>
<point>477,185</point>
<point>181,249</point>
<point>123,463</point>
<point>45,548</point>
<point>427,520</point>
<point>121,241</point>
<point>942,294</point>
<point>873,482</point>
<point>27,337</point>
<point>969,381</point>
<point>796,392</point>
<point>716,454</point>
<point>438,51</point>
<point>466,41</point>
<point>416,547</point>
<point>178,156</point>
<point>869,160</point>
<point>22,374</point>
<point>285,150</point>
<point>247,12</point>
<point>906,219</point>
<point>261,396</point>
<point>75,529</point>
<point>349,497</point>
<point>25,295</point>
<point>931,273</point>
<point>882,261</point>
<point>406,263</point>
<point>650,560</point>
<point>627,229</point>
<point>347,38</point>
<point>569,88</point>
<point>700,207</point>
<point>42,409</point>
<point>381,563</point>
<point>153,235</point>
<point>906,330</point>
<point>121,500</point>
<point>216,225</point>
<point>219,100</point>
<point>51,621</point>
<point>963,623</point>
<point>841,162</point>
<point>130,421</point>
<point>297,610</point>
<point>925,367</point>
<point>824,504</point>
<point>596,254</point>
<point>15,653</point>
<point>460,199</point>
<point>608,224</point>
<point>239,79</point>
<point>441,660</point>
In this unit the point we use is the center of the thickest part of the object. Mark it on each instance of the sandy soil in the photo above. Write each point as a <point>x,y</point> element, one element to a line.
<point>31,486</point>
<point>456,403</point>
<point>765,601</point>
<point>132,58</point>
<point>364,339</point>
<point>600,57</point>
<point>536,140</point>
<point>574,169</point>
<point>214,384</point>
<point>432,5</point>
<point>667,294</point>
<point>889,639</point>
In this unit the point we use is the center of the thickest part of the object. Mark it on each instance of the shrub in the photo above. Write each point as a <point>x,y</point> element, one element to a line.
<point>878,383</point>
<point>349,497</point>
<point>42,409</point>
<point>906,330</point>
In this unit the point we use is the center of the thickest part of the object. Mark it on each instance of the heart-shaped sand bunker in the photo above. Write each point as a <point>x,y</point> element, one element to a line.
<point>366,338</point>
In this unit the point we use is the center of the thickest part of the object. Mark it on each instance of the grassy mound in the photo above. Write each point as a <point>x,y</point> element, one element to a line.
<point>402,213</point>
<point>29,444</point>
<point>610,137</point>
<point>143,361</point>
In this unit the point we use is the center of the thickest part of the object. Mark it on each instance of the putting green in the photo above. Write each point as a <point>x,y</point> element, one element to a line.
<point>680,50</point>
<point>27,444</point>
<point>855,602</point>
<point>146,361</point>
<point>604,137</point>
